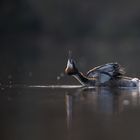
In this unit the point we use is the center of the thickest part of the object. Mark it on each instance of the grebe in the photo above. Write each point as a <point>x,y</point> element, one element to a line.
<point>110,74</point>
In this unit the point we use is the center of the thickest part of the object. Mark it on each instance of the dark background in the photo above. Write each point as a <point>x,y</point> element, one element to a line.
<point>35,37</point>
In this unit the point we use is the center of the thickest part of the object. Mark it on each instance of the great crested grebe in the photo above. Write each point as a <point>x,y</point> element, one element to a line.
<point>110,74</point>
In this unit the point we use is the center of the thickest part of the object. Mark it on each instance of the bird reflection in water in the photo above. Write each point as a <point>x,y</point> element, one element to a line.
<point>101,100</point>
<point>69,99</point>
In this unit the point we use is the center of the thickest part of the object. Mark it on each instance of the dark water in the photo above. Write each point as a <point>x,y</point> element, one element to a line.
<point>69,113</point>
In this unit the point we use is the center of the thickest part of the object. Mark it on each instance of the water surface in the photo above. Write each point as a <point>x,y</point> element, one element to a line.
<point>69,113</point>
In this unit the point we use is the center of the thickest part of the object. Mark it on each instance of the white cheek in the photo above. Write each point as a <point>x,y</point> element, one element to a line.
<point>69,65</point>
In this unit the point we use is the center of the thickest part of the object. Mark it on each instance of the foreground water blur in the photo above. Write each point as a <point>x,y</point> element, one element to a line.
<point>69,113</point>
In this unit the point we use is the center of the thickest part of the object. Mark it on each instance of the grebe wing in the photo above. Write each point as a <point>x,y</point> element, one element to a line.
<point>110,69</point>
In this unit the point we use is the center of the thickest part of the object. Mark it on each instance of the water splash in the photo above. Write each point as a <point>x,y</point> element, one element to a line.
<point>60,76</point>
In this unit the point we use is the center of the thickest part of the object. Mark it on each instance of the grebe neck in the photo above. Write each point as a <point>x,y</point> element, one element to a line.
<point>83,79</point>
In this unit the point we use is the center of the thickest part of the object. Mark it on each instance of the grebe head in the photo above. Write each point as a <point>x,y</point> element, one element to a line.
<point>71,66</point>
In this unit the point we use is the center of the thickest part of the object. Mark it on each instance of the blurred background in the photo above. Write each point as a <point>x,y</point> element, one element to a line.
<point>35,37</point>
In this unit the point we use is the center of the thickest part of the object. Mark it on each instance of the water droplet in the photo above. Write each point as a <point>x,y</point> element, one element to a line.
<point>126,102</point>
<point>10,82</point>
<point>62,74</point>
<point>2,88</point>
<point>10,86</point>
<point>9,76</point>
<point>58,77</point>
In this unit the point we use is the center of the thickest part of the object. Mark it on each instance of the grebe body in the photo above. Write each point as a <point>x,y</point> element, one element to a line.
<point>110,74</point>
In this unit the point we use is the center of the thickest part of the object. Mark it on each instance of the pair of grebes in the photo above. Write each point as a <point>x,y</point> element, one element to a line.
<point>107,75</point>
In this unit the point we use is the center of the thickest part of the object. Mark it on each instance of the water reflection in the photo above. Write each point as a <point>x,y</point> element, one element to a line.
<point>69,107</point>
<point>101,101</point>
<point>50,112</point>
